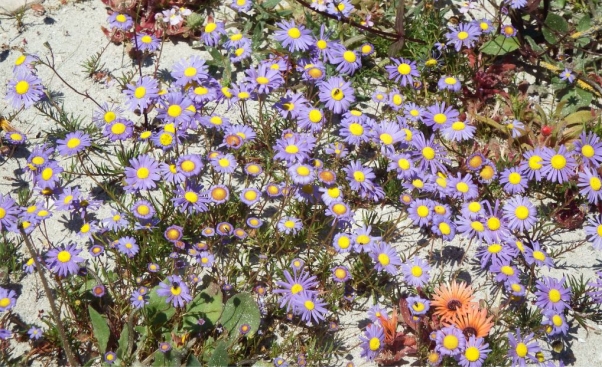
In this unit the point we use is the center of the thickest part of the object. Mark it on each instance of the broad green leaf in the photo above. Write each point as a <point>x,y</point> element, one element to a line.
<point>101,329</point>
<point>554,24</point>
<point>240,309</point>
<point>270,4</point>
<point>262,364</point>
<point>500,45</point>
<point>585,23</point>
<point>193,361</point>
<point>219,358</point>
<point>207,305</point>
<point>579,117</point>
<point>159,311</point>
<point>576,99</point>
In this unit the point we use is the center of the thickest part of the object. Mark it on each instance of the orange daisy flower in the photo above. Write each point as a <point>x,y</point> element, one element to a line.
<point>452,300</point>
<point>474,322</point>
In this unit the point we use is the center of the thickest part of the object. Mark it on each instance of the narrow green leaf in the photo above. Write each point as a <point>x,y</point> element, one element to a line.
<point>270,4</point>
<point>123,342</point>
<point>500,45</point>
<point>101,329</point>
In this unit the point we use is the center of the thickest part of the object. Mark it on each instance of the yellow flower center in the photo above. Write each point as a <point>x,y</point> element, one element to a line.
<point>507,270</point>
<point>315,116</point>
<point>2,213</point>
<point>85,228</point>
<point>587,151</point>
<point>514,178</point>
<point>535,162</point>
<point>450,81</point>
<point>595,183</point>
<point>142,173</point>
<point>494,248</point>
<point>462,187</point>
<point>191,197</point>
<point>120,18</point>
<point>451,342</point>
<point>73,143</point>
<point>262,80</point>
<point>557,320</point>
<point>63,256</point>
<point>22,87</point>
<point>143,209</point>
<point>146,39</point>
<point>187,166</point>
<point>383,259</point>
<point>538,255</point>
<point>296,288</point>
<point>521,350</point>
<point>462,35</point>
<point>362,239</point>
<point>554,295</point>
<point>477,226</point>
<point>118,128</point>
<point>374,344</point>
<point>294,33</point>
<point>418,306</point>
<point>337,94</point>
<point>289,224</point>
<point>174,110</point>
<point>404,69</point>
<point>387,139</point>
<point>416,271</point>
<point>428,153</point>
<point>475,161</point>
<point>403,163</point>
<point>309,305</point>
<point>440,118</point>
<point>20,60</point>
<point>359,176</point>
<point>38,161</point>
<point>349,56</point>
<point>521,212</point>
<point>340,273</point>
<point>422,211</point>
<point>140,92</point>
<point>321,44</point>
<point>344,242</point>
<point>458,126</point>
<point>190,71</point>
<point>472,354</point>
<point>418,183</point>
<point>210,27</point>
<point>176,290</point>
<point>47,173</point>
<point>494,223</point>
<point>474,206</point>
<point>444,228</point>
<point>558,161</point>
<point>166,139</point>
<point>356,129</point>
<point>397,99</point>
<point>339,209</point>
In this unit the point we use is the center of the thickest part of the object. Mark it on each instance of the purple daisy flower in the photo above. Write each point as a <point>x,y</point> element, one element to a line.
<point>385,258</point>
<point>537,256</point>
<point>293,149</point>
<point>532,166</point>
<point>360,178</point>
<point>48,176</point>
<point>250,196</point>
<point>212,33</point>
<point>15,138</point>
<point>35,333</point>
<point>289,225</point>
<point>24,90</point>
<point>558,166</point>
<point>514,181</point>
<point>508,30</point>
<point>264,79</point>
<point>192,199</point>
<point>224,163</point>
<point>450,341</point>
<point>8,299</point>
<point>146,42</point>
<point>590,185</point>
<point>175,290</point>
<point>139,299</point>
<point>143,209</point>
<point>515,128</point>
<point>293,37</point>
<point>63,261</point>
<point>299,283</point>
<point>449,83</point>
<point>128,246</point>
<point>443,226</point>
<point>428,155</point>
<point>593,232</point>
<point>520,214</point>
<point>353,130</point>
<point>174,108</point>
<point>302,173</point>
<point>387,134</point>
<point>310,307</point>
<point>9,212</point>
<point>463,187</point>
<point>589,148</point>
<point>458,131</point>
<point>120,21</point>
<point>189,70</point>
<point>552,294</point>
<point>142,174</point>
<point>241,51</point>
<point>119,129</point>
<point>555,322</point>
<point>465,35</point>
<point>403,71</point>
<point>475,352</point>
<point>523,350</point>
<point>347,61</point>
<point>336,94</point>
<point>418,306</point>
<point>189,165</point>
<point>421,212</point>
<point>340,274</point>
<point>372,341</point>
<point>416,272</point>
<point>141,94</point>
<point>439,116</point>
<point>73,143</point>
<point>23,63</point>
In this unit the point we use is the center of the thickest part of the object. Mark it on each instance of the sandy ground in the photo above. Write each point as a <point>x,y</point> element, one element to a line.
<point>73,32</point>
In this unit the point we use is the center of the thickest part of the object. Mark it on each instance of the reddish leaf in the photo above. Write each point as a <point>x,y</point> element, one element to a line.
<point>406,315</point>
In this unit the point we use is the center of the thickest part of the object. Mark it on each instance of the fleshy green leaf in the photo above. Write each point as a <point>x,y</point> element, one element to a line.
<point>219,358</point>
<point>500,45</point>
<point>241,309</point>
<point>159,311</point>
<point>123,342</point>
<point>101,329</point>
<point>207,305</point>
<point>554,24</point>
